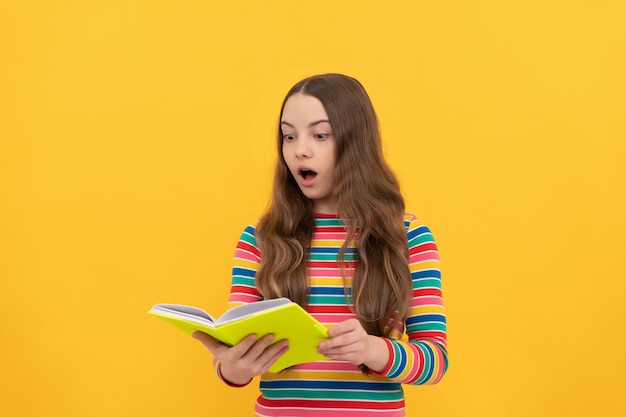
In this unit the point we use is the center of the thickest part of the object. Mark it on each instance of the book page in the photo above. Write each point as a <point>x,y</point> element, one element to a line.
<point>188,312</point>
<point>250,309</point>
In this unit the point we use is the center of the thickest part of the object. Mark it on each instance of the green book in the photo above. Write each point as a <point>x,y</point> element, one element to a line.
<point>280,316</point>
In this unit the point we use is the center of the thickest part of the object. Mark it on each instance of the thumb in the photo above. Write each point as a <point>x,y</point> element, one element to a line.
<point>210,343</point>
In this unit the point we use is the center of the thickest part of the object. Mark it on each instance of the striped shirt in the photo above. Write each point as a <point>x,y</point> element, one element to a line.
<point>417,353</point>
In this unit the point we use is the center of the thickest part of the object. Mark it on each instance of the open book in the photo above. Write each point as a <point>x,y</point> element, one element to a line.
<point>280,316</point>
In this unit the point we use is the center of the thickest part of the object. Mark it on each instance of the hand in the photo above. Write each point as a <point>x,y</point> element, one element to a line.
<point>350,342</point>
<point>247,359</point>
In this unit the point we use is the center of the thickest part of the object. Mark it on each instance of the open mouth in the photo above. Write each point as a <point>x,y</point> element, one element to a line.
<point>308,174</point>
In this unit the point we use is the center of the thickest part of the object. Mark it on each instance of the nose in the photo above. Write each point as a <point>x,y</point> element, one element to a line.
<point>303,148</point>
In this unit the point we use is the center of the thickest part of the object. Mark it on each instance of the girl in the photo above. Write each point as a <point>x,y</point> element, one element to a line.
<point>336,239</point>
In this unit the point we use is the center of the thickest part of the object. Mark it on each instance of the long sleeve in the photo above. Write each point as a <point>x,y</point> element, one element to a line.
<point>242,290</point>
<point>423,359</point>
<point>245,265</point>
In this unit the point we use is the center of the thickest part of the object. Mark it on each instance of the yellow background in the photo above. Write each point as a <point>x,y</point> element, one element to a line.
<point>136,142</point>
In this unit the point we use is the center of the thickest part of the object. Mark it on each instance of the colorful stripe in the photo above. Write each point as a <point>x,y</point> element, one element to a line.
<point>320,388</point>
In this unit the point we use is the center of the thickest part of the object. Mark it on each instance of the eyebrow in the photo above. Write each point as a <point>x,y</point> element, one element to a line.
<point>310,124</point>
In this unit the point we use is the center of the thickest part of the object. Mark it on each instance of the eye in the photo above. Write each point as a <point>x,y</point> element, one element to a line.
<point>288,137</point>
<point>321,136</point>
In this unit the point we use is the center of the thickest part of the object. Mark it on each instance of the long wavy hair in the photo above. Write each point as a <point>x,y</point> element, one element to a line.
<point>368,202</point>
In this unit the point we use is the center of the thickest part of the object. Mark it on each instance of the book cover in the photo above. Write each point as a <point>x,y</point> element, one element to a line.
<point>281,316</point>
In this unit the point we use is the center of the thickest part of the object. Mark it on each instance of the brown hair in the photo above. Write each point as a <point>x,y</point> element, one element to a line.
<point>368,202</point>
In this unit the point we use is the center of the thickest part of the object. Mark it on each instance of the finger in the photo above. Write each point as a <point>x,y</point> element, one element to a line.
<point>343,339</point>
<point>339,348</point>
<point>266,347</point>
<point>246,347</point>
<point>258,359</point>
<point>256,350</point>
<point>352,353</point>
<point>273,354</point>
<point>216,347</point>
<point>209,342</point>
<point>344,327</point>
<point>342,350</point>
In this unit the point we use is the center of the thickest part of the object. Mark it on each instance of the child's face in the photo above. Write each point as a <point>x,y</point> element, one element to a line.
<point>309,149</point>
